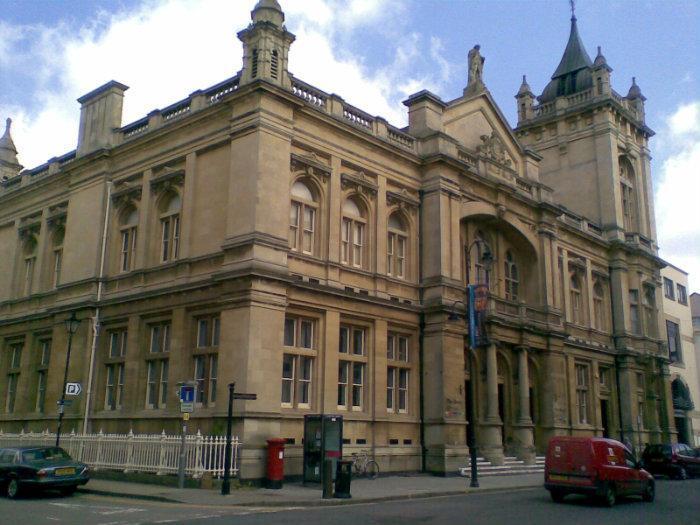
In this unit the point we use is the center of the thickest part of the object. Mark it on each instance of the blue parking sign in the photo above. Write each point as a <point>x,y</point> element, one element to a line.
<point>187,394</point>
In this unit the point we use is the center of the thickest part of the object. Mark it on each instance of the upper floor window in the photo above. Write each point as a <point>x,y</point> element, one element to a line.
<point>160,338</point>
<point>397,239</point>
<point>478,255</point>
<point>352,234</point>
<point>582,388</point>
<point>576,297</point>
<point>117,343</point>
<point>682,294</point>
<point>649,302</point>
<point>673,333</point>
<point>208,331</point>
<point>352,367</point>
<point>668,289</point>
<point>56,256</point>
<point>627,194</point>
<point>635,324</point>
<point>170,228</point>
<point>29,259</point>
<point>298,362</point>
<point>302,219</point>
<point>398,369</point>
<point>127,239</point>
<point>599,306</point>
<point>512,277</point>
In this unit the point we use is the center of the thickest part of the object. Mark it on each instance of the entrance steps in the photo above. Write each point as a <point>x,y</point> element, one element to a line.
<point>511,466</point>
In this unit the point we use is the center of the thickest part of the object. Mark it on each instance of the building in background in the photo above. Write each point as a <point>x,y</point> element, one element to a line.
<point>695,312</point>
<point>685,378</point>
<point>265,232</point>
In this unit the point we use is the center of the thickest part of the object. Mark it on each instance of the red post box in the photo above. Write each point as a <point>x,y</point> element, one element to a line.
<point>275,463</point>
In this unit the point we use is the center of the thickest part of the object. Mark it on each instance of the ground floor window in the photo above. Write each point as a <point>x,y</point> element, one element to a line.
<point>157,383</point>
<point>296,380</point>
<point>351,376</point>
<point>205,376</point>
<point>582,393</point>
<point>114,388</point>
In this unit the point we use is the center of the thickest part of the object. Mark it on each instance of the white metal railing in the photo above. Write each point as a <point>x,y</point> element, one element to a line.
<point>155,453</point>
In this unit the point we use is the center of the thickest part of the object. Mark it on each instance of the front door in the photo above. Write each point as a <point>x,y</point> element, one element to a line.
<point>604,417</point>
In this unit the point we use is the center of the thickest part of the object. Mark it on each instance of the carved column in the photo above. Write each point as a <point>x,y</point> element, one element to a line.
<point>490,437</point>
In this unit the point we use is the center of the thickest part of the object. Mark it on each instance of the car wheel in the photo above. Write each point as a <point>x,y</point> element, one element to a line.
<point>68,491</point>
<point>649,492</point>
<point>557,496</point>
<point>682,473</point>
<point>13,489</point>
<point>610,496</point>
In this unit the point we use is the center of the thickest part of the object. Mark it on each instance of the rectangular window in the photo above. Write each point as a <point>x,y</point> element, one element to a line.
<point>358,372</point>
<point>604,376</point>
<point>403,390</point>
<point>28,275</point>
<point>358,341</point>
<point>634,312</point>
<point>674,342</point>
<point>205,371</point>
<point>160,338</point>
<point>390,388</point>
<point>208,332</point>
<point>128,249</point>
<point>12,380</point>
<point>390,253</point>
<point>289,331</point>
<point>400,256</point>
<point>287,379</point>
<point>170,238</point>
<point>390,347</point>
<point>57,261</point>
<point>16,355</point>
<point>357,241</point>
<point>308,233</point>
<point>397,373</point>
<point>344,340</point>
<point>668,289</point>
<point>294,213</point>
<point>45,345</point>
<point>304,379</point>
<point>117,343</point>
<point>40,390</point>
<point>299,332</point>
<point>582,393</point>
<point>682,294</point>
<point>157,383</point>
<point>202,333</point>
<point>345,241</point>
<point>114,386</point>
<point>343,368</point>
<point>297,371</point>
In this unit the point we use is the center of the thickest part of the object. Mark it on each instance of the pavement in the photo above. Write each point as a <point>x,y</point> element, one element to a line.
<point>385,488</point>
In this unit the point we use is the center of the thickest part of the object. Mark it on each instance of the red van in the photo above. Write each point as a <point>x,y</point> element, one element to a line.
<point>595,466</point>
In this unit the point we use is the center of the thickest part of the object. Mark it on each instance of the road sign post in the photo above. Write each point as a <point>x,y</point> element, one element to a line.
<point>226,484</point>
<point>187,395</point>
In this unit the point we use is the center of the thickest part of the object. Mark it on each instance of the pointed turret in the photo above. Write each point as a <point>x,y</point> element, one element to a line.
<point>526,100</point>
<point>9,165</point>
<point>573,74</point>
<point>636,100</point>
<point>601,73</point>
<point>266,43</point>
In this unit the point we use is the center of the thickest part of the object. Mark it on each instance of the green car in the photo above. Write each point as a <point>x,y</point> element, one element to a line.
<point>40,468</point>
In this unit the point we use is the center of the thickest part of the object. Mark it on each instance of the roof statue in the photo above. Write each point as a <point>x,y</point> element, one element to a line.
<point>476,70</point>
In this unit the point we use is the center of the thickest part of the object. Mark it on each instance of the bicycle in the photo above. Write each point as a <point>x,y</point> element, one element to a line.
<point>363,465</point>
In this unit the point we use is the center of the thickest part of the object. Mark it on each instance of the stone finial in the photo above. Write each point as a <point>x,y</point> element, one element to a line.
<point>268,11</point>
<point>524,87</point>
<point>600,61</point>
<point>634,91</point>
<point>9,165</point>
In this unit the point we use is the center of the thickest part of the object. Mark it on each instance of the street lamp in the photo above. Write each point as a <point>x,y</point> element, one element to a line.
<point>71,326</point>
<point>486,261</point>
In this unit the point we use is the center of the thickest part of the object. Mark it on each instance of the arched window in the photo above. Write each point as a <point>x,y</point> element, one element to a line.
<point>599,305</point>
<point>478,249</point>
<point>302,219</point>
<point>512,277</point>
<point>170,228</point>
<point>29,258</point>
<point>56,255</point>
<point>576,298</point>
<point>352,234</point>
<point>397,238</point>
<point>127,239</point>
<point>627,194</point>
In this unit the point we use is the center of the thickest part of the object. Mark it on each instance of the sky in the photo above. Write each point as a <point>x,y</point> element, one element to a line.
<point>373,53</point>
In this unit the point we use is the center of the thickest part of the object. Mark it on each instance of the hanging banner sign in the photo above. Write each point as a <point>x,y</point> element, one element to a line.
<point>478,307</point>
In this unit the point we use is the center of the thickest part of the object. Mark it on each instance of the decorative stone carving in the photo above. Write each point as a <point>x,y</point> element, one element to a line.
<point>56,217</point>
<point>475,81</point>
<point>359,182</point>
<point>309,164</point>
<point>29,226</point>
<point>126,195</point>
<point>493,148</point>
<point>402,199</point>
<point>168,180</point>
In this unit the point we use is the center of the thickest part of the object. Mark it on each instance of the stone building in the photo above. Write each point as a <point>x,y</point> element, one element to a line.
<point>265,232</point>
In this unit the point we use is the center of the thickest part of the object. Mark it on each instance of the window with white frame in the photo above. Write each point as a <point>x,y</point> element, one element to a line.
<point>599,311</point>
<point>208,331</point>
<point>114,386</point>
<point>117,342</point>
<point>576,298</point>
<point>298,361</point>
<point>682,294</point>
<point>512,277</point>
<point>582,391</point>
<point>668,289</point>
<point>302,219</point>
<point>352,368</point>
<point>40,391</point>
<point>13,367</point>
<point>29,258</point>
<point>57,256</point>
<point>127,239</point>
<point>640,400</point>
<point>157,365</point>
<point>396,246</point>
<point>170,228</point>
<point>398,370</point>
<point>477,271</point>
<point>44,352</point>
<point>205,376</point>
<point>352,234</point>
<point>673,334</point>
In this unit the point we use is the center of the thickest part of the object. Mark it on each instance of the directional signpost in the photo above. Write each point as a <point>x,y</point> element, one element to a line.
<point>226,485</point>
<point>187,394</point>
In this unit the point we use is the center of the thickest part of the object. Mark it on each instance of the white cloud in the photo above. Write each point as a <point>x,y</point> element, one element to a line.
<point>165,49</point>
<point>678,193</point>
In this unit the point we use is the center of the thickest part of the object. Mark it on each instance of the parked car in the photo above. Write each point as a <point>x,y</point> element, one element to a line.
<point>42,468</point>
<point>675,460</point>
<point>599,467</point>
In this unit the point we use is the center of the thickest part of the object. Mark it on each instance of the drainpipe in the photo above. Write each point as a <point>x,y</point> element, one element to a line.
<point>96,318</point>
<point>617,366</point>
<point>423,450</point>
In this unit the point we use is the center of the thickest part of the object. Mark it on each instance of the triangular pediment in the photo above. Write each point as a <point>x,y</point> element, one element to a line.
<point>478,124</point>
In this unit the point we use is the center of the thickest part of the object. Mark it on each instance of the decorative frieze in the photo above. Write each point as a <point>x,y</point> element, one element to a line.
<point>56,217</point>
<point>359,182</point>
<point>403,199</point>
<point>310,164</point>
<point>29,226</point>
<point>169,179</point>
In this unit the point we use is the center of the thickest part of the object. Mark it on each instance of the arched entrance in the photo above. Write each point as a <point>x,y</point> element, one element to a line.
<point>682,404</point>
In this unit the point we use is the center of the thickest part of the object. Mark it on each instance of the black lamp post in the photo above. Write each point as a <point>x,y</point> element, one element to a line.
<point>71,326</point>
<point>487,262</point>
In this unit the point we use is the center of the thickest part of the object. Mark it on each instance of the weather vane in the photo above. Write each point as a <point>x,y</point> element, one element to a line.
<point>573,8</point>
